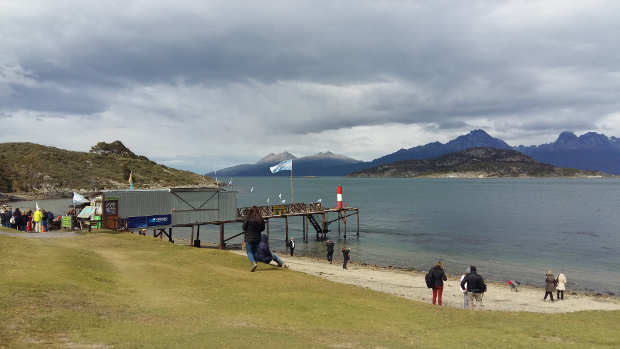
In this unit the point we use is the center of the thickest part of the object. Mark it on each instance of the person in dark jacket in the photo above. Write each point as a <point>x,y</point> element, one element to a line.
<point>475,286</point>
<point>346,255</point>
<point>550,283</point>
<point>330,251</point>
<point>17,217</point>
<point>264,254</point>
<point>253,227</point>
<point>438,276</point>
<point>291,245</point>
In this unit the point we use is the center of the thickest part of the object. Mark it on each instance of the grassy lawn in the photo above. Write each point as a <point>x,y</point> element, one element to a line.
<point>127,291</point>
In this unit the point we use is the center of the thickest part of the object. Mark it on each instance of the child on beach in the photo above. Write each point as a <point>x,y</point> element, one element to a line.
<point>291,245</point>
<point>330,251</point>
<point>561,285</point>
<point>464,288</point>
<point>549,285</point>
<point>346,256</point>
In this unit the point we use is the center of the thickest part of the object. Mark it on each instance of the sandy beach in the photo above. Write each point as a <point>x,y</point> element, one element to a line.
<point>411,285</point>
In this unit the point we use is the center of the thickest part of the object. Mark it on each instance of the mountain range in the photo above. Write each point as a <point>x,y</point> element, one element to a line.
<point>474,163</point>
<point>591,151</point>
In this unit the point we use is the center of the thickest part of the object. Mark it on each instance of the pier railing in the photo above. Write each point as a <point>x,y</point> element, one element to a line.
<point>279,210</point>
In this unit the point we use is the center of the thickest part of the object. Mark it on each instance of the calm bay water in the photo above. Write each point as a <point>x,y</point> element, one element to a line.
<point>509,228</point>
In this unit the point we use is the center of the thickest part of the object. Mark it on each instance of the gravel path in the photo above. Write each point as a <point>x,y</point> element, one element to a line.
<point>46,235</point>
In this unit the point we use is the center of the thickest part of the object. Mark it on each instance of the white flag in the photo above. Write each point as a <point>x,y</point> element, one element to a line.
<point>37,205</point>
<point>286,165</point>
<point>79,199</point>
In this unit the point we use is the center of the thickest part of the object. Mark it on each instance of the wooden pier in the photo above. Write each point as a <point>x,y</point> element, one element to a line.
<point>307,212</point>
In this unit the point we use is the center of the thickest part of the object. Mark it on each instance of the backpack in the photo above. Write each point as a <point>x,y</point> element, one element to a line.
<point>429,280</point>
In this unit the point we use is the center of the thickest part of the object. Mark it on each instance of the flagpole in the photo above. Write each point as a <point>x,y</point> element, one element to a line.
<point>292,188</point>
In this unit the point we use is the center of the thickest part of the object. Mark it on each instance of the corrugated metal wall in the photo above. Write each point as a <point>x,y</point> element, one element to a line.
<point>186,206</point>
<point>228,205</point>
<point>136,203</point>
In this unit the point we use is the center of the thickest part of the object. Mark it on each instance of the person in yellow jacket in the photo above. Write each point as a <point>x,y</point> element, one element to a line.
<point>37,217</point>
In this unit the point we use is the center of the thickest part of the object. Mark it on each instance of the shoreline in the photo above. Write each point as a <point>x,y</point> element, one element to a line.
<point>411,285</point>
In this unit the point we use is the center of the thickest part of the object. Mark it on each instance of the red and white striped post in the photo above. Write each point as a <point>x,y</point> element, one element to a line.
<point>339,196</point>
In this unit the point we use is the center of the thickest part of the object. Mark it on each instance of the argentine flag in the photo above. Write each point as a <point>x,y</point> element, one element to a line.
<point>286,165</point>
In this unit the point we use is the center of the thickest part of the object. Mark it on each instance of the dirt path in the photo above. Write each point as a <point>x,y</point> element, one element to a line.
<point>46,235</point>
<point>412,285</point>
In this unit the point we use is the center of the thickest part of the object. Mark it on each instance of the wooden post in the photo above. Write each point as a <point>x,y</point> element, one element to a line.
<point>324,227</point>
<point>170,235</point>
<point>358,223</point>
<point>221,236</point>
<point>307,228</point>
<point>345,224</point>
<point>303,228</point>
<point>286,229</point>
<point>191,239</point>
<point>338,224</point>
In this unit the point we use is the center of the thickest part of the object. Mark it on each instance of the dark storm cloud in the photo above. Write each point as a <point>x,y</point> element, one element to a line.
<point>308,67</point>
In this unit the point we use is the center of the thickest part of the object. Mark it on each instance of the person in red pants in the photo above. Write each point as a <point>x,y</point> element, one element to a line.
<point>438,276</point>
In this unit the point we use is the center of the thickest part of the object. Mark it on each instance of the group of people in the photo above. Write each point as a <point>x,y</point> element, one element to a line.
<point>553,283</point>
<point>472,285</point>
<point>30,221</point>
<point>257,243</point>
<point>330,247</point>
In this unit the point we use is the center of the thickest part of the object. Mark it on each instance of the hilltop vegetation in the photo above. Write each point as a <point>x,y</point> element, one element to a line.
<point>475,162</point>
<point>28,167</point>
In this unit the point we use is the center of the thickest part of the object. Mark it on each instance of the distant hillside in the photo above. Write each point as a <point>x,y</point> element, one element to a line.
<point>320,164</point>
<point>473,163</point>
<point>590,151</point>
<point>28,167</point>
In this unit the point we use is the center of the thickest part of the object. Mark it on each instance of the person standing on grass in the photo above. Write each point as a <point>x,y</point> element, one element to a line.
<point>475,286</point>
<point>264,254</point>
<point>549,285</point>
<point>37,217</point>
<point>464,289</point>
<point>330,251</point>
<point>346,255</point>
<point>561,285</point>
<point>438,276</point>
<point>17,219</point>
<point>3,216</point>
<point>253,227</point>
<point>291,246</point>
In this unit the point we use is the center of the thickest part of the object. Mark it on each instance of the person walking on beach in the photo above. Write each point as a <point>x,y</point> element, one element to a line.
<point>264,254</point>
<point>438,276</point>
<point>561,285</point>
<point>253,227</point>
<point>346,255</point>
<point>549,285</point>
<point>464,289</point>
<point>330,251</point>
<point>475,286</point>
<point>291,246</point>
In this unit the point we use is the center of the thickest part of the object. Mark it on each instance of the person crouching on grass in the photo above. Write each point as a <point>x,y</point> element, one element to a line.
<point>253,227</point>
<point>264,254</point>
<point>438,276</point>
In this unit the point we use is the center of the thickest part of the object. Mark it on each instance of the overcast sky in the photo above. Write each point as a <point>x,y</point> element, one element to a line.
<point>208,84</point>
